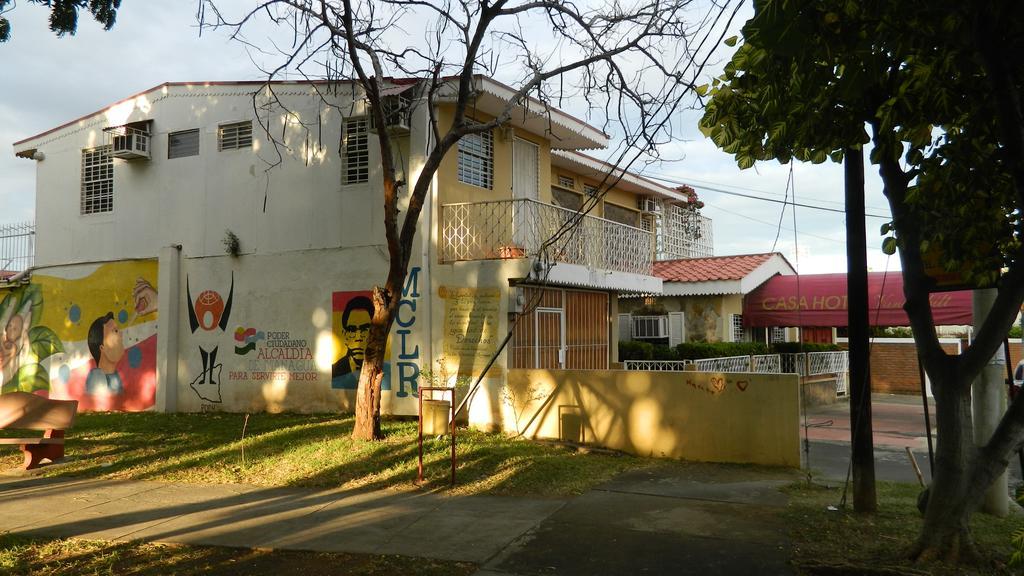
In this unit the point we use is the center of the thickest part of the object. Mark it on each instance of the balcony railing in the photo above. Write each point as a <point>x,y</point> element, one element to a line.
<point>17,246</point>
<point>519,228</point>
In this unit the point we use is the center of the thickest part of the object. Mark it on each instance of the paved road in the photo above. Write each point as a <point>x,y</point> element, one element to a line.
<point>897,423</point>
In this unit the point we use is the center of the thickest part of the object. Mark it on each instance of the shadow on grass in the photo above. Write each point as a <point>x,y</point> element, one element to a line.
<point>316,451</point>
<point>26,556</point>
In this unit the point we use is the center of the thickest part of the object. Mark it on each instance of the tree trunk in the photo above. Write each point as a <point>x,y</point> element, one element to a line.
<point>367,425</point>
<point>946,534</point>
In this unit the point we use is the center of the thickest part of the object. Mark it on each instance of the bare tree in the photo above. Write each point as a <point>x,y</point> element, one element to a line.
<point>635,64</point>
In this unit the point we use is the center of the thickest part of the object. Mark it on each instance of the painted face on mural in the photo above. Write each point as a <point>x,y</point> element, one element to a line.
<point>112,349</point>
<point>12,332</point>
<point>357,331</point>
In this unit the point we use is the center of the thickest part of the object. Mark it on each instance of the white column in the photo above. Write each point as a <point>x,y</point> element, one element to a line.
<point>168,298</point>
<point>988,402</point>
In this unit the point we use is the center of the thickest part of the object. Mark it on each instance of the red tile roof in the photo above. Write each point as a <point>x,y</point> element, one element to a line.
<point>709,269</point>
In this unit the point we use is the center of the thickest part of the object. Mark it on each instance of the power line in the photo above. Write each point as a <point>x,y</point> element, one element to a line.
<point>772,224</point>
<point>752,197</point>
<point>770,193</point>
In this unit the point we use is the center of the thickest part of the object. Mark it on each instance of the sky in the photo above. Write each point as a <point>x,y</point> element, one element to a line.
<point>47,81</point>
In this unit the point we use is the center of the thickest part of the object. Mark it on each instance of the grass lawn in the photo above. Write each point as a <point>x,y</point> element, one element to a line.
<point>21,556</point>
<point>316,451</point>
<point>842,542</point>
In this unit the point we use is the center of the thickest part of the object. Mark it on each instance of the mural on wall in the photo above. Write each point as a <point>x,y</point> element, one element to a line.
<point>470,327</point>
<point>24,344</point>
<point>703,320</point>
<point>351,314</point>
<point>210,313</point>
<point>87,334</point>
<point>280,357</point>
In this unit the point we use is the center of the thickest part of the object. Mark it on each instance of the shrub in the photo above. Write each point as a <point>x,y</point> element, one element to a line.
<point>697,350</point>
<point>663,352</point>
<point>794,347</point>
<point>634,350</point>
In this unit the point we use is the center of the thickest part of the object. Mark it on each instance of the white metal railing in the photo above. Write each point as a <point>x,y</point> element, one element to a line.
<point>766,364</point>
<point>519,228</point>
<point>683,233</point>
<point>803,364</point>
<point>17,246</point>
<point>837,363</point>
<point>793,363</point>
<point>725,364</point>
<point>656,365</point>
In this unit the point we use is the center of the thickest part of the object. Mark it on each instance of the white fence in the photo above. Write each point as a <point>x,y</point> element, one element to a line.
<point>805,364</point>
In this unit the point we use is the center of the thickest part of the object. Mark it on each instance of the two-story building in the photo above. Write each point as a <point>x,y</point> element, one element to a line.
<point>211,246</point>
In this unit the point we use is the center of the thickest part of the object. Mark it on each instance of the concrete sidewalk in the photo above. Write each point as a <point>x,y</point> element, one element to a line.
<point>700,519</point>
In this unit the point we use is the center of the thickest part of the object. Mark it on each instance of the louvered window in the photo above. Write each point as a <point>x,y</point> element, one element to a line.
<point>97,181</point>
<point>235,135</point>
<point>356,151</point>
<point>566,182</point>
<point>476,159</point>
<point>182,144</point>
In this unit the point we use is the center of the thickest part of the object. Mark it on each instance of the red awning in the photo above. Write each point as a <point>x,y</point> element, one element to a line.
<point>820,300</point>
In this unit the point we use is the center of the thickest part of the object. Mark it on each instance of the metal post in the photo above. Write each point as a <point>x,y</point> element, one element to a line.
<point>419,472</point>
<point>927,417</point>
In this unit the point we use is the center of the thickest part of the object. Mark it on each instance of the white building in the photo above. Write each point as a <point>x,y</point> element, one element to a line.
<point>137,205</point>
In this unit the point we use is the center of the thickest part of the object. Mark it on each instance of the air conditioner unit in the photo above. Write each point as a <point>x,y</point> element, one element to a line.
<point>131,141</point>
<point>649,327</point>
<point>397,113</point>
<point>648,204</point>
<point>131,145</point>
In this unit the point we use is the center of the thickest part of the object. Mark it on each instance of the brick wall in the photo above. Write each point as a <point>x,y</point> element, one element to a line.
<point>894,367</point>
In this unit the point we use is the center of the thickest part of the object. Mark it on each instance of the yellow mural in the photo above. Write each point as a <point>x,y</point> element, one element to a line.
<point>88,333</point>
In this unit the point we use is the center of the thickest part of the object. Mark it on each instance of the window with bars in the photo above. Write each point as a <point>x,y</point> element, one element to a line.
<point>565,199</point>
<point>476,159</point>
<point>183,143</point>
<point>621,215</point>
<point>235,135</point>
<point>778,334</point>
<point>566,182</point>
<point>355,151</point>
<point>737,328</point>
<point>97,181</point>
<point>590,189</point>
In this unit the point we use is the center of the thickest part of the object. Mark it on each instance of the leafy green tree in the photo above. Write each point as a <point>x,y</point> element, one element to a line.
<point>935,87</point>
<point>64,14</point>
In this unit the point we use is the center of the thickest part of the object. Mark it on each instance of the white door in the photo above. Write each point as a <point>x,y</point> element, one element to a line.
<point>526,231</point>
<point>525,176</point>
<point>676,329</point>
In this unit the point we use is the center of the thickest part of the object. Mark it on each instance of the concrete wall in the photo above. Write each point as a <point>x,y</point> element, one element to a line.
<point>275,346</point>
<point>299,204</point>
<point>748,418</point>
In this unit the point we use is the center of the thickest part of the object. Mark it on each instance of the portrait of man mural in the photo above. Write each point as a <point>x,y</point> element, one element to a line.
<point>353,313</point>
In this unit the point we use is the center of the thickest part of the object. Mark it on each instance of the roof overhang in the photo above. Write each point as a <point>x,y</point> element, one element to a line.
<point>598,169</point>
<point>563,130</point>
<point>598,279</point>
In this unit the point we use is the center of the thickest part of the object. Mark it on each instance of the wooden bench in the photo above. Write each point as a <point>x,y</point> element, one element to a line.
<point>24,411</point>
